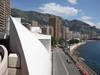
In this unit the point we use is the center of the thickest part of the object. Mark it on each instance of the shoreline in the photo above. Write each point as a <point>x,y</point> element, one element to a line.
<point>76,46</point>
<point>79,61</point>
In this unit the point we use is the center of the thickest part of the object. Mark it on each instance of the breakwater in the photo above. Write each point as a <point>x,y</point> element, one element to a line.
<point>80,64</point>
<point>75,46</point>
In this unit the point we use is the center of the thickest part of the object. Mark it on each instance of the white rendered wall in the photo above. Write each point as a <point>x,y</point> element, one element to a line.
<point>45,40</point>
<point>36,29</point>
<point>18,19</point>
<point>38,59</point>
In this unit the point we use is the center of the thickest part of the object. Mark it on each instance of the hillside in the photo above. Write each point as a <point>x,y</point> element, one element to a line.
<point>76,25</point>
<point>43,19</point>
<point>28,16</point>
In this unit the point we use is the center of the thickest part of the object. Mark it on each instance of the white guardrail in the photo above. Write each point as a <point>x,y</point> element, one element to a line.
<point>4,61</point>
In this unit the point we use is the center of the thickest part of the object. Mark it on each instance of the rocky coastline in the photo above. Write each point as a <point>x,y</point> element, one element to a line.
<point>79,61</point>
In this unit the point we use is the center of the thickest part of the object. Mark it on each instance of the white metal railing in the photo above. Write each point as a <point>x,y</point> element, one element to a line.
<point>4,62</point>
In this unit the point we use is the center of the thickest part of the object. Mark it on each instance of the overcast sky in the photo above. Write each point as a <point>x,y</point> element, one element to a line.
<point>85,10</point>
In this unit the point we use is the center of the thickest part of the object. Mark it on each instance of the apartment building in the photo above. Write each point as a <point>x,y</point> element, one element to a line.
<point>35,23</point>
<point>56,23</point>
<point>4,14</point>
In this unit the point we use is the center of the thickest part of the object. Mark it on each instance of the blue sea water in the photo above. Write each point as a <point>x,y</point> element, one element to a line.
<point>91,53</point>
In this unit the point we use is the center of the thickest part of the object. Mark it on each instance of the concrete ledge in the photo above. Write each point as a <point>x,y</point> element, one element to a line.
<point>14,61</point>
<point>14,71</point>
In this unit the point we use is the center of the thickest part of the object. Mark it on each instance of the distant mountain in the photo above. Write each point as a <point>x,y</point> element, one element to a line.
<point>28,16</point>
<point>43,19</point>
<point>76,25</point>
<point>79,26</point>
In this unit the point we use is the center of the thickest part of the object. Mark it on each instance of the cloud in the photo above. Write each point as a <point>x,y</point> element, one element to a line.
<point>93,24</point>
<point>86,17</point>
<point>98,25</point>
<point>59,10</point>
<point>72,1</point>
<point>90,23</point>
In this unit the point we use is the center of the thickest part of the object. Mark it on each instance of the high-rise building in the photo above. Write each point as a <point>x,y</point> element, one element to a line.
<point>4,14</point>
<point>51,31</point>
<point>65,32</point>
<point>56,23</point>
<point>45,30</point>
<point>35,23</point>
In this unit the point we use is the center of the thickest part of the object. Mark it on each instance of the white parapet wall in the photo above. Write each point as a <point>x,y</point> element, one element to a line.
<point>14,67</point>
<point>38,59</point>
<point>36,30</point>
<point>14,71</point>
<point>13,61</point>
<point>4,61</point>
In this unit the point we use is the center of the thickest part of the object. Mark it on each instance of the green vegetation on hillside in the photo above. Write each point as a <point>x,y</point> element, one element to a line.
<point>43,19</point>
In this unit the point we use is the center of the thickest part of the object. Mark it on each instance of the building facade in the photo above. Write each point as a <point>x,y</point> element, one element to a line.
<point>35,23</point>
<point>56,23</point>
<point>4,14</point>
<point>45,30</point>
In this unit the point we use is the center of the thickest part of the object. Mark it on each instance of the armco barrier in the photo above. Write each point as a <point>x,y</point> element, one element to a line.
<point>4,62</point>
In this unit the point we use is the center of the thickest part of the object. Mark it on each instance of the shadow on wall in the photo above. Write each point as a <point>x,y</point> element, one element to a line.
<point>15,47</point>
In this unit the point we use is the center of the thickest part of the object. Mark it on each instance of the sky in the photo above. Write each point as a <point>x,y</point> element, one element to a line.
<point>85,10</point>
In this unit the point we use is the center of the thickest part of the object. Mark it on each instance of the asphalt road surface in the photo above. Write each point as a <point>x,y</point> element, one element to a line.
<point>62,64</point>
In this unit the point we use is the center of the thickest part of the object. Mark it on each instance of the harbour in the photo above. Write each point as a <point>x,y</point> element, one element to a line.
<point>90,52</point>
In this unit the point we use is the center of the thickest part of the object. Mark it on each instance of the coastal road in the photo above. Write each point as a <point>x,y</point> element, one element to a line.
<point>60,64</point>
